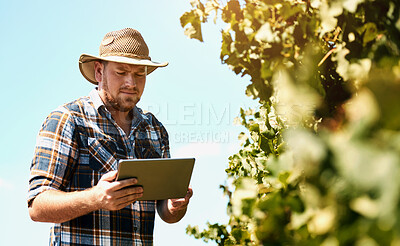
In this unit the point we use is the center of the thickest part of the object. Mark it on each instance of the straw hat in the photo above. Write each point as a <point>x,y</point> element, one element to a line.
<point>123,46</point>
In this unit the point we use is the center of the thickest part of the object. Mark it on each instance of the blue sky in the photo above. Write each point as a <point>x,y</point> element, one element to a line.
<point>196,97</point>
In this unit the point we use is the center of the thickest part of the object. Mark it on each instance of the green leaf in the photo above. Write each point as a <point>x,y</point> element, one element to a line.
<point>270,134</point>
<point>283,178</point>
<point>187,17</point>
<point>265,145</point>
<point>254,127</point>
<point>369,32</point>
<point>193,32</point>
<point>191,20</point>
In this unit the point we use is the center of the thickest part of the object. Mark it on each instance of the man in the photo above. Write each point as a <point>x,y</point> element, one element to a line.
<point>73,172</point>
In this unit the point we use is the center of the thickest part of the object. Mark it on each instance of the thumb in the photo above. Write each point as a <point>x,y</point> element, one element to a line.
<point>110,176</point>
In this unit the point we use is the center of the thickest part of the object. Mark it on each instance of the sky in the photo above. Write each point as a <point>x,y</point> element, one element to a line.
<point>195,97</point>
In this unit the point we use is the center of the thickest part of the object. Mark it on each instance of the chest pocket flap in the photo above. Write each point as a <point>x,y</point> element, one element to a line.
<point>145,149</point>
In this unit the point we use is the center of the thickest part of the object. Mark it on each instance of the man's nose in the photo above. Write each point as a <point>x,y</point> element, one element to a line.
<point>130,80</point>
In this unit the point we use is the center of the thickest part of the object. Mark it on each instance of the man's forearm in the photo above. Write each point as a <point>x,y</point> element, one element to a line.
<point>58,206</point>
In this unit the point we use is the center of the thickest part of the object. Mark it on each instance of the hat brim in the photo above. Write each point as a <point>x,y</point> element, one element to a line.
<point>86,64</point>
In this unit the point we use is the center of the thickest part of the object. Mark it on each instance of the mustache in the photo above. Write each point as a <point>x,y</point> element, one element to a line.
<point>128,88</point>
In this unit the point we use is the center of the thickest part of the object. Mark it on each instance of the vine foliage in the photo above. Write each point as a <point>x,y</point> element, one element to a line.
<point>320,161</point>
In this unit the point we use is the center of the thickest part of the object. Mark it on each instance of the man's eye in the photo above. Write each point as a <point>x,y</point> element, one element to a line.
<point>121,73</point>
<point>140,75</point>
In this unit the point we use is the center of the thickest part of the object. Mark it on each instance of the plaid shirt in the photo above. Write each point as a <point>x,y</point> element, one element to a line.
<point>78,143</point>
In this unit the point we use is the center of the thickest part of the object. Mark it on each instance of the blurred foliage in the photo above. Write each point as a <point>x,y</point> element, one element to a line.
<point>320,163</point>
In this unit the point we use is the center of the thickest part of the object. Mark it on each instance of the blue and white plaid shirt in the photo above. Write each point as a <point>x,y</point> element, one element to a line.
<point>78,143</point>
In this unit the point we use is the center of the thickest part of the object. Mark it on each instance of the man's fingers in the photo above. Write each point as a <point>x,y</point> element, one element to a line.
<point>110,176</point>
<point>130,190</point>
<point>177,205</point>
<point>126,183</point>
<point>131,195</point>
<point>123,197</point>
<point>127,194</point>
<point>129,199</point>
<point>179,202</point>
<point>189,193</point>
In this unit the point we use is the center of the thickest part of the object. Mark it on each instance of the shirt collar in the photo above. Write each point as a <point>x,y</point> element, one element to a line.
<point>95,97</point>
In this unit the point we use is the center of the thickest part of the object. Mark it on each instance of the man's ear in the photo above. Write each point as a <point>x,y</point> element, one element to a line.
<point>98,71</point>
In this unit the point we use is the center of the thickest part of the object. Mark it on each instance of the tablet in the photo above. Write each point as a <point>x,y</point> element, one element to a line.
<point>161,179</point>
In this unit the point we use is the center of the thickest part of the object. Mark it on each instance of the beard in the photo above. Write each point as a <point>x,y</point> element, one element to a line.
<point>119,103</point>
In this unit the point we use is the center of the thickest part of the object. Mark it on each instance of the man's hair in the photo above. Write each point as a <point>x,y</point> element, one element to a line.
<point>104,63</point>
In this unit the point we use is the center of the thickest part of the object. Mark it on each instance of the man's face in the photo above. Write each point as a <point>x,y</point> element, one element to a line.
<point>120,85</point>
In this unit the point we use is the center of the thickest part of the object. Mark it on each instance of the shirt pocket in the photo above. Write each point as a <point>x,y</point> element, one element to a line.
<point>102,154</point>
<point>145,149</point>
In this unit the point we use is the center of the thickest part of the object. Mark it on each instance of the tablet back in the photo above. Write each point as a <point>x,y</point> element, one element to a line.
<point>161,178</point>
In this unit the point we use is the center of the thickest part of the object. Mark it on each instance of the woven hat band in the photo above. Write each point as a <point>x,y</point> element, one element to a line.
<point>126,55</point>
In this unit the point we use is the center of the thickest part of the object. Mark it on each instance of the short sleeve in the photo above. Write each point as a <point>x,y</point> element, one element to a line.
<point>55,154</point>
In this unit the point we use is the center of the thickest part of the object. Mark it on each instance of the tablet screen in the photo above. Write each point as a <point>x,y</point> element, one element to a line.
<point>161,179</point>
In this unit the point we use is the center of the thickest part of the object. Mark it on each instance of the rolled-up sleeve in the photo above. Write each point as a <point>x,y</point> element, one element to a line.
<point>55,154</point>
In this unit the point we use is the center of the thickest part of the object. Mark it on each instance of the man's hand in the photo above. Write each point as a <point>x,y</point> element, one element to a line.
<point>115,195</point>
<point>173,210</point>
<point>176,205</point>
